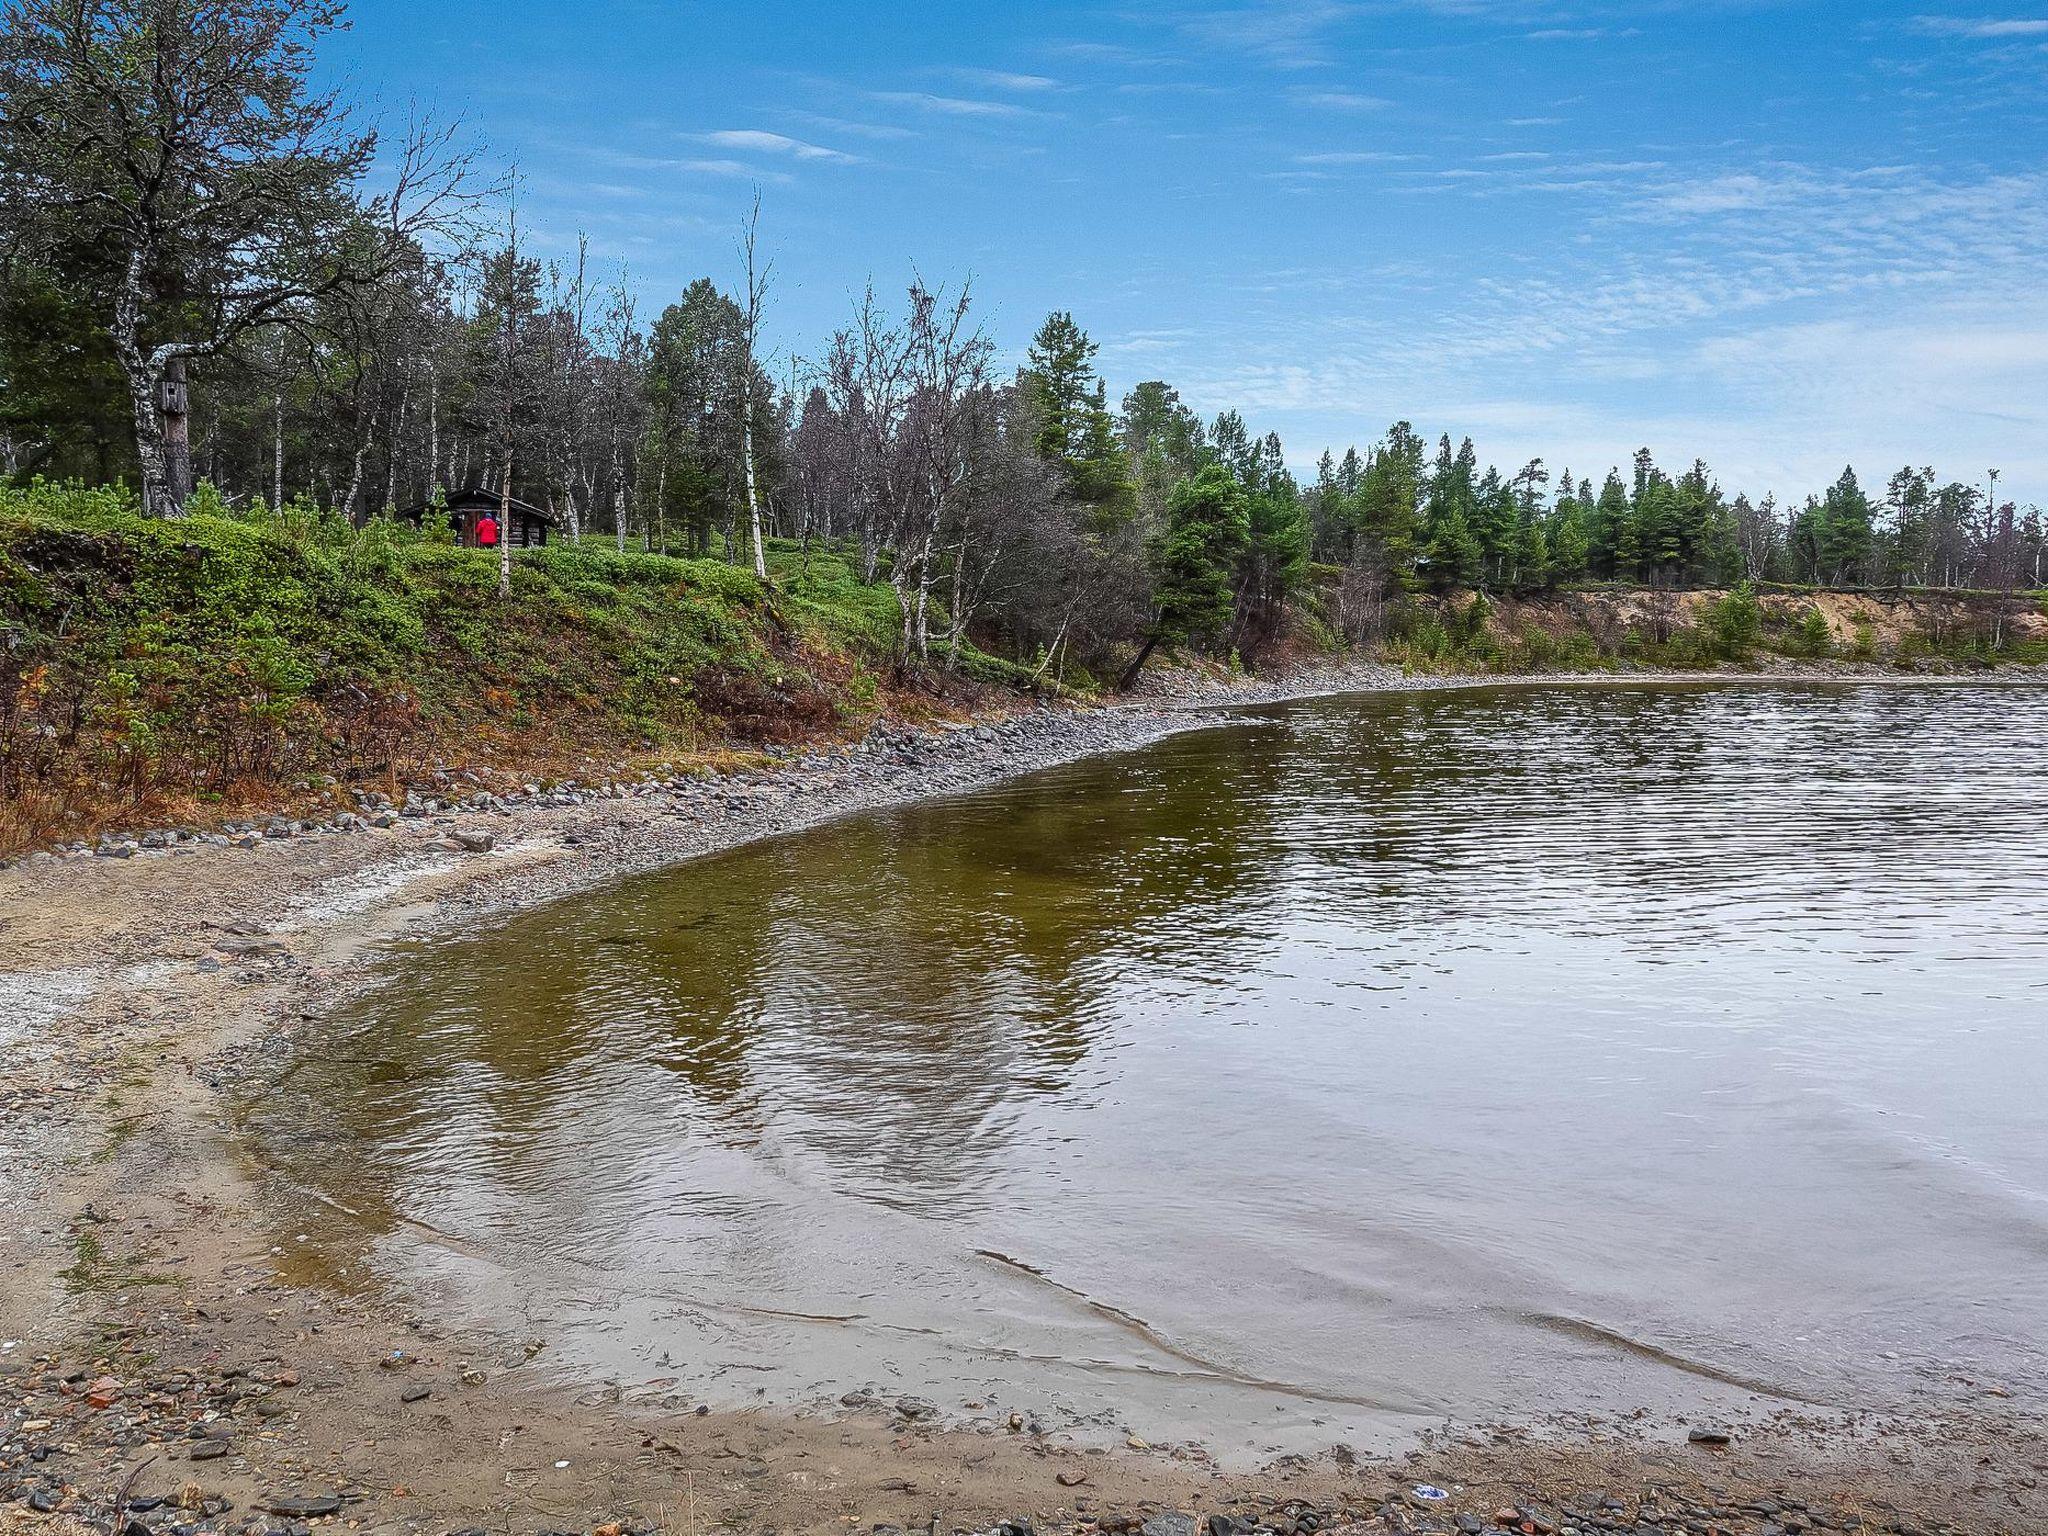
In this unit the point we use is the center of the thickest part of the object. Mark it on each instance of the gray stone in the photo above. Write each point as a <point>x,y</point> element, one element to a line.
<point>304,1506</point>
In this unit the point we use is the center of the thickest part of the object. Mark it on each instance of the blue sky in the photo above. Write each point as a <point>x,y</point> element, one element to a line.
<point>1780,236</point>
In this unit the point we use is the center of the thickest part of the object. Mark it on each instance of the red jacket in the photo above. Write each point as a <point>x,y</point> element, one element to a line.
<point>487,532</point>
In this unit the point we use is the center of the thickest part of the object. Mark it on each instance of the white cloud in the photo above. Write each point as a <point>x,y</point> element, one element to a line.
<point>1353,157</point>
<point>1286,34</point>
<point>1341,101</point>
<point>1776,319</point>
<point>1005,80</point>
<point>950,106</point>
<point>856,129</point>
<point>1983,26</point>
<point>1108,53</point>
<point>761,142</point>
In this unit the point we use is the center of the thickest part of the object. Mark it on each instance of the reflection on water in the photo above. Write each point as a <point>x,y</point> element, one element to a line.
<point>1481,1052</point>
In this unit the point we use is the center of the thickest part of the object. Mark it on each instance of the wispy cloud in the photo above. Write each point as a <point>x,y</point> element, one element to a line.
<point>738,170</point>
<point>950,106</point>
<point>759,141</point>
<point>1340,101</point>
<point>1005,80</point>
<point>1092,52</point>
<point>1286,34</point>
<point>850,126</point>
<point>1983,26</point>
<point>1353,157</point>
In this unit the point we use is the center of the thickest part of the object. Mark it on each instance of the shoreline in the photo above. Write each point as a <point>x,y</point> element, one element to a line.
<point>136,1230</point>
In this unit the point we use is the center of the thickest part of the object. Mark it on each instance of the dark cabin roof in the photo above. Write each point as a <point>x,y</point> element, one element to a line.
<point>482,500</point>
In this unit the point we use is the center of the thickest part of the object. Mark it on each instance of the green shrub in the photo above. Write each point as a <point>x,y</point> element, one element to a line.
<point>1735,623</point>
<point>1813,637</point>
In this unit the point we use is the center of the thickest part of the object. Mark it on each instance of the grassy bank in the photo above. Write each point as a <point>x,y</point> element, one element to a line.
<point>161,670</point>
<point>157,673</point>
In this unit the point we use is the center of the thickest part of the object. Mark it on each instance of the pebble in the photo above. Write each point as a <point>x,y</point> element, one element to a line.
<point>304,1507</point>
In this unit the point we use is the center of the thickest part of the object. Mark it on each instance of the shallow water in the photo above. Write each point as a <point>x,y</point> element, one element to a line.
<point>1480,1054</point>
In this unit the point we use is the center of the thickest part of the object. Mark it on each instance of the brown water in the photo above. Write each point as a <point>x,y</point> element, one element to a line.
<point>1475,1054</point>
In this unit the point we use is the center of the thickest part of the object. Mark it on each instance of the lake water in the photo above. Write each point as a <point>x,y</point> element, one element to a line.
<point>1479,1054</point>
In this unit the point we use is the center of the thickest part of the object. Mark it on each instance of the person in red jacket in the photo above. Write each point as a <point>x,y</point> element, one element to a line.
<point>487,532</point>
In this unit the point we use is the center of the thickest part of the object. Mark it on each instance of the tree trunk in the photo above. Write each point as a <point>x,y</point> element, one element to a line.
<point>924,590</point>
<point>753,497</point>
<point>959,622</point>
<point>276,452</point>
<point>505,532</point>
<point>1129,680</point>
<point>144,377</point>
<point>355,476</point>
<point>397,446</point>
<point>433,425</point>
<point>174,406</point>
<point>149,442</point>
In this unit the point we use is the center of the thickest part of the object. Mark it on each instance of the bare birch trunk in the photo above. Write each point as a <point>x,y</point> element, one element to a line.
<point>397,442</point>
<point>505,531</point>
<point>757,289</point>
<point>958,622</point>
<point>433,425</point>
<point>753,498</point>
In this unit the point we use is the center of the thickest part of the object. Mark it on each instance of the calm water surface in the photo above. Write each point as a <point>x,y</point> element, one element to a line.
<point>1475,1054</point>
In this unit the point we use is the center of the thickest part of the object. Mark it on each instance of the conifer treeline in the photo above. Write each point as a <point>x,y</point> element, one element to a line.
<point>223,300</point>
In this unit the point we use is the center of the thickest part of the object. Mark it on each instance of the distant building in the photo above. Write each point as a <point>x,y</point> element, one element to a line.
<point>526,527</point>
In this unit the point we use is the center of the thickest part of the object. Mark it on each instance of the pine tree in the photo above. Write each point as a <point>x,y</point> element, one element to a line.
<point>1493,525</point>
<point>1612,531</point>
<point>1059,381</point>
<point>1074,429</point>
<point>1848,539</point>
<point>1389,501</point>
<point>1275,564</point>
<point>1908,541</point>
<point>1195,560</point>
<point>1810,542</point>
<point>1570,546</point>
<point>1453,554</point>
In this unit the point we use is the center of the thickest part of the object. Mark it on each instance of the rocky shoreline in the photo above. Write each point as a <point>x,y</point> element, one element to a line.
<point>164,1373</point>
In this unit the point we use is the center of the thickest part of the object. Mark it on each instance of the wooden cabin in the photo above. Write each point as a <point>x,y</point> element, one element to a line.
<point>526,527</point>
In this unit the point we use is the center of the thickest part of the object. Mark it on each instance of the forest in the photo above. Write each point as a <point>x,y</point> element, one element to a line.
<point>222,291</point>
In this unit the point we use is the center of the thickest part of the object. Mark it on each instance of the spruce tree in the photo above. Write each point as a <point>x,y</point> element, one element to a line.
<point>1614,531</point>
<point>1195,559</point>
<point>1847,542</point>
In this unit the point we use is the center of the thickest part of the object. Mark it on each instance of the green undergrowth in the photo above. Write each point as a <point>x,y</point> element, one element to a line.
<point>1477,635</point>
<point>208,657</point>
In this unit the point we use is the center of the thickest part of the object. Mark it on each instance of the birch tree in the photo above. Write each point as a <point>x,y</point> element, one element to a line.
<point>182,139</point>
<point>756,295</point>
